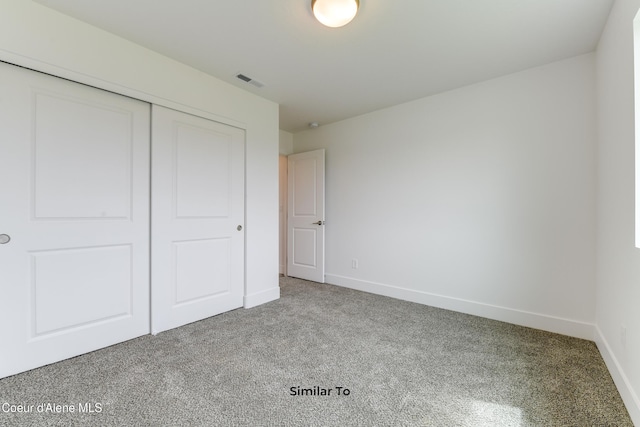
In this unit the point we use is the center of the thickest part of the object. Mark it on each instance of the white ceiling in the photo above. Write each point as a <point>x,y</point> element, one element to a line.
<point>392,52</point>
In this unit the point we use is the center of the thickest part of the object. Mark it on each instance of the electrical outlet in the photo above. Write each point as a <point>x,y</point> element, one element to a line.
<point>354,264</point>
<point>623,336</point>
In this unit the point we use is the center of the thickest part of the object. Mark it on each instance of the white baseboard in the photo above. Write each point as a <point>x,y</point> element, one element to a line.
<point>544,322</point>
<point>629,396</point>
<point>262,297</point>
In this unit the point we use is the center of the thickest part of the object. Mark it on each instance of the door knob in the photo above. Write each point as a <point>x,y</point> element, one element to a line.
<point>239,228</point>
<point>4,239</point>
<point>318,223</point>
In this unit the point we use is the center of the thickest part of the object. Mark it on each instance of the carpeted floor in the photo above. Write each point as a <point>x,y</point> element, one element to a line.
<point>322,356</point>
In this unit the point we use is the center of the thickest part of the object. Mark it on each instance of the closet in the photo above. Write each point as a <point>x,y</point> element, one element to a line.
<point>117,218</point>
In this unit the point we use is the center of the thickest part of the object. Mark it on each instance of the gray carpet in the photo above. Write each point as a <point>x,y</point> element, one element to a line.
<point>403,364</point>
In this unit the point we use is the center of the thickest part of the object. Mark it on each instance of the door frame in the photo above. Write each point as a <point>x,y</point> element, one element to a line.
<point>283,173</point>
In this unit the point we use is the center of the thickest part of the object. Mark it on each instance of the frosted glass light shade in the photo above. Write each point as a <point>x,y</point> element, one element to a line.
<point>334,13</point>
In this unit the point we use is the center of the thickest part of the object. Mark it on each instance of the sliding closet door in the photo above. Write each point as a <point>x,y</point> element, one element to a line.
<point>197,266</point>
<point>74,219</point>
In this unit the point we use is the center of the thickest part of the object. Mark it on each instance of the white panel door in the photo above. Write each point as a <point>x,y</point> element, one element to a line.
<point>305,227</point>
<point>197,264</point>
<point>74,209</point>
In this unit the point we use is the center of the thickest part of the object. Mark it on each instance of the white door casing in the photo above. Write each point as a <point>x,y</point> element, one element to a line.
<point>197,264</point>
<point>74,199</point>
<point>283,165</point>
<point>305,225</point>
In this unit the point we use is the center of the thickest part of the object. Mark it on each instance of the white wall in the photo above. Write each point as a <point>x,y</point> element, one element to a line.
<point>618,276</point>
<point>34,36</point>
<point>480,200</point>
<point>286,143</point>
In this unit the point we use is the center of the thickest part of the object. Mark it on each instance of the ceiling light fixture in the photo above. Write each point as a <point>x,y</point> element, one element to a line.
<point>335,13</point>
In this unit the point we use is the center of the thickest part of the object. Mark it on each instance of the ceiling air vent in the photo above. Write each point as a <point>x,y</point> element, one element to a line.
<point>249,80</point>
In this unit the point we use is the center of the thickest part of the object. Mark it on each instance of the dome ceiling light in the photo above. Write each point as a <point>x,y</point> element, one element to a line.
<point>335,13</point>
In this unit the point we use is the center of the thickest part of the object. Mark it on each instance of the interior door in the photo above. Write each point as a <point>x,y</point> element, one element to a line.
<point>197,264</point>
<point>305,227</point>
<point>74,219</point>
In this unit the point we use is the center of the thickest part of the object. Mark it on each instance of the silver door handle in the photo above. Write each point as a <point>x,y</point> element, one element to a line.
<point>318,223</point>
